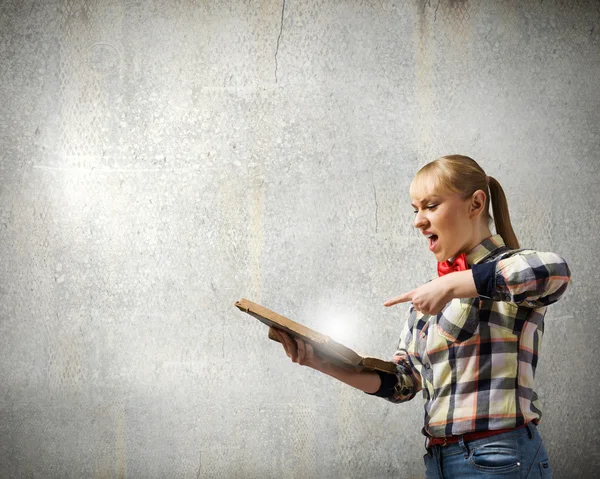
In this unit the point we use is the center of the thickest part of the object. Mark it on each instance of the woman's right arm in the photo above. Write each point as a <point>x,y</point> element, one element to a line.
<point>302,353</point>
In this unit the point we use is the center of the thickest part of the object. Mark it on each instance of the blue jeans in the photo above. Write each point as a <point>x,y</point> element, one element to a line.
<point>514,454</point>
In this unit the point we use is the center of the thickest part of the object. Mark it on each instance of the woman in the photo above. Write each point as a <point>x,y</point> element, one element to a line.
<point>473,335</point>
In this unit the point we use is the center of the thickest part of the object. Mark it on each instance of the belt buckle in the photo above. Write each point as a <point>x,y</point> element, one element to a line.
<point>428,442</point>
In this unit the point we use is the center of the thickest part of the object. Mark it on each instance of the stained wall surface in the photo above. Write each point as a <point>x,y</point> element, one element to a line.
<point>161,159</point>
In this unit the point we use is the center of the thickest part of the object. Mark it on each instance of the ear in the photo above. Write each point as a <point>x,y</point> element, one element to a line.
<point>477,203</point>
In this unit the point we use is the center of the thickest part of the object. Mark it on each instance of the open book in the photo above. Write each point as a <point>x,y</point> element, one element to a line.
<point>324,346</point>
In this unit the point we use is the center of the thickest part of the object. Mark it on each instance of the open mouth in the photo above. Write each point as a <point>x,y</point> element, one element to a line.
<point>433,242</point>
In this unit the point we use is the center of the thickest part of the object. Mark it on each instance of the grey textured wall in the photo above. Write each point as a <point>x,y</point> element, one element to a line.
<point>160,159</point>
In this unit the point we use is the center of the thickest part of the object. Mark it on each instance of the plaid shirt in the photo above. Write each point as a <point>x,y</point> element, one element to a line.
<point>475,361</point>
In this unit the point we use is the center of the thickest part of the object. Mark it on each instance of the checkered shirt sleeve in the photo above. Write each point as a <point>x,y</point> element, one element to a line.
<point>408,378</point>
<point>523,277</point>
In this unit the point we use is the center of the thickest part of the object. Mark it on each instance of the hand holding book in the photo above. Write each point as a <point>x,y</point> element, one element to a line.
<point>299,351</point>
<point>303,353</point>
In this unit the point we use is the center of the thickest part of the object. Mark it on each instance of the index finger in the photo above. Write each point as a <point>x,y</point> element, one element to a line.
<point>403,298</point>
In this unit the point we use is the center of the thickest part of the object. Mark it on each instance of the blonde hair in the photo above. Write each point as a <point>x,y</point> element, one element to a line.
<point>462,175</point>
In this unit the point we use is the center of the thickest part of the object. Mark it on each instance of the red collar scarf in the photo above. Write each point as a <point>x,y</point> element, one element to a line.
<point>459,264</point>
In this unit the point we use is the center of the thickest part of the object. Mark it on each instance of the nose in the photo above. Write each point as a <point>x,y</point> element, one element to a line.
<point>420,220</point>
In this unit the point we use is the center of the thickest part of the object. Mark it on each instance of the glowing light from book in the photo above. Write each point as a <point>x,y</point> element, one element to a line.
<point>338,328</point>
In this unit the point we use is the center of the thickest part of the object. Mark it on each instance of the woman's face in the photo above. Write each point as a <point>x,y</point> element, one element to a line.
<point>444,219</point>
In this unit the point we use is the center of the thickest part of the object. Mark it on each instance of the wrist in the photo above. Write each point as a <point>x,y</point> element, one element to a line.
<point>319,364</point>
<point>448,286</point>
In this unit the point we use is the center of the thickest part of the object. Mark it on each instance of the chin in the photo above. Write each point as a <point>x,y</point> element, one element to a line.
<point>439,257</point>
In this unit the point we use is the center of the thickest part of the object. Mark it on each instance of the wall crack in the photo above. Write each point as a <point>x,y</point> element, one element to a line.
<point>279,38</point>
<point>376,209</point>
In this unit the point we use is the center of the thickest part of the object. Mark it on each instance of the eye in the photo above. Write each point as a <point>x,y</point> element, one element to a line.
<point>431,207</point>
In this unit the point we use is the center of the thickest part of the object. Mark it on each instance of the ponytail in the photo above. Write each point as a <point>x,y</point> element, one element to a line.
<point>501,215</point>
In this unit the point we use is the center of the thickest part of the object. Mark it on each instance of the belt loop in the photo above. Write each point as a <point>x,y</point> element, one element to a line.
<point>463,446</point>
<point>530,430</point>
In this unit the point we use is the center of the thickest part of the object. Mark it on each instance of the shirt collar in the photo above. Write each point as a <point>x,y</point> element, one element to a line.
<point>485,249</point>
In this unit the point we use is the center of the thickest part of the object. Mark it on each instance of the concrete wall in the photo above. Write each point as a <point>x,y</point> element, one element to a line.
<point>161,159</point>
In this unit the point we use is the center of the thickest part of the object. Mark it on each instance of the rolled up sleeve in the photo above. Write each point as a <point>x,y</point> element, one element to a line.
<point>401,387</point>
<point>406,383</point>
<point>528,278</point>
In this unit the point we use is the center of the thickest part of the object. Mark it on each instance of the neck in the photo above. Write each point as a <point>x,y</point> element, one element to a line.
<point>478,236</point>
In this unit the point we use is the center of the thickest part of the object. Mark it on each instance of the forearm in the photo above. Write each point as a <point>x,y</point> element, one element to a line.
<point>366,381</point>
<point>460,284</point>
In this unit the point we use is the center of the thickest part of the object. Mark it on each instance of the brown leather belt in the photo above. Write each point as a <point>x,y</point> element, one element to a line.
<point>471,436</point>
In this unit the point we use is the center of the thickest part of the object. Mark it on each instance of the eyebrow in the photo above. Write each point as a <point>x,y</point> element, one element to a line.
<point>426,200</point>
